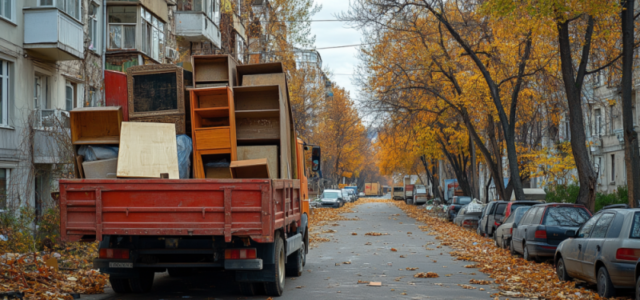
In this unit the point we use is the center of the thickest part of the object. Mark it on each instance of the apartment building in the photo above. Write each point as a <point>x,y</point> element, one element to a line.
<point>605,131</point>
<point>50,62</point>
<point>53,54</point>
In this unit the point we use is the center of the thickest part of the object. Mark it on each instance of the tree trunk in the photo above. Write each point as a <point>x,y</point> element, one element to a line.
<point>573,90</point>
<point>632,158</point>
<point>435,186</point>
<point>473,178</point>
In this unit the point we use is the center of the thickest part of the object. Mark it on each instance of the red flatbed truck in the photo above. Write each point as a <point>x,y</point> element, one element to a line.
<point>256,227</point>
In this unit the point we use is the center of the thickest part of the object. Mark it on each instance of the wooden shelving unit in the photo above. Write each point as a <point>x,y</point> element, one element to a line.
<point>213,126</point>
<point>214,70</point>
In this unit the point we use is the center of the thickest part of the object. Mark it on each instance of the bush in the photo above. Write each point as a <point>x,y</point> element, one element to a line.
<point>22,236</point>
<point>562,193</point>
<point>569,194</point>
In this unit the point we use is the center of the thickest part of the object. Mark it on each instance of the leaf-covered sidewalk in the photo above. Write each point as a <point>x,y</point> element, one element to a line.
<point>516,277</point>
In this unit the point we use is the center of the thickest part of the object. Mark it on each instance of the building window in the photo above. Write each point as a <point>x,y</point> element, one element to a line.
<point>613,167</point>
<point>71,7</point>
<point>69,96</point>
<point>152,35</point>
<point>6,9</point>
<point>94,39</point>
<point>598,122</point>
<point>4,187</point>
<point>122,27</point>
<point>40,92</point>
<point>4,93</point>
<point>240,48</point>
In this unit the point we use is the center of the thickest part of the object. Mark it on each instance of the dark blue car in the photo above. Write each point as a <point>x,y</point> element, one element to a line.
<point>544,226</point>
<point>456,203</point>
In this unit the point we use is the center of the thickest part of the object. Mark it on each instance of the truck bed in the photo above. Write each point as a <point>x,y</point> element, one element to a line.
<point>252,208</point>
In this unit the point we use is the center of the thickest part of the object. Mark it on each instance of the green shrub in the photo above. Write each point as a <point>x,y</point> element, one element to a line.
<point>23,236</point>
<point>569,194</point>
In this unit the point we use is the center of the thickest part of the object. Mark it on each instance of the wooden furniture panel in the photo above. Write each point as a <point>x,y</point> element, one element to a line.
<point>96,125</point>
<point>257,98</point>
<point>115,91</point>
<point>156,94</point>
<point>286,127</point>
<point>214,70</point>
<point>256,152</point>
<point>254,168</point>
<point>258,129</point>
<point>148,150</point>
<point>213,139</point>
<point>256,69</point>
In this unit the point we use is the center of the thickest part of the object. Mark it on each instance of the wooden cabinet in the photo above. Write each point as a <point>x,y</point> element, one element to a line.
<point>214,70</point>
<point>96,125</point>
<point>214,127</point>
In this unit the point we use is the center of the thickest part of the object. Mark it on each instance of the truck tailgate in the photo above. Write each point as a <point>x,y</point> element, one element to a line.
<point>255,208</point>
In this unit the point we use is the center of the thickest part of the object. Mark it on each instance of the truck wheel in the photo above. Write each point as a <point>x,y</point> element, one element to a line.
<point>143,282</point>
<point>120,285</point>
<point>277,287</point>
<point>295,263</point>
<point>247,288</point>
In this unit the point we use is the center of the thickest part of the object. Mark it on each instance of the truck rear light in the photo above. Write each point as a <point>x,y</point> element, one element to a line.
<point>114,253</point>
<point>249,253</point>
<point>541,234</point>
<point>628,254</point>
<point>511,231</point>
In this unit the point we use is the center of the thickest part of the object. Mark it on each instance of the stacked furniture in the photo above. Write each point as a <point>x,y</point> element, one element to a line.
<point>213,129</point>
<point>156,93</point>
<point>214,71</point>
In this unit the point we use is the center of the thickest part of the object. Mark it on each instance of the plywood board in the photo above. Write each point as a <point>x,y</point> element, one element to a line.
<point>100,169</point>
<point>263,68</point>
<point>258,129</point>
<point>256,152</point>
<point>148,150</point>
<point>257,97</point>
<point>286,129</point>
<point>254,168</point>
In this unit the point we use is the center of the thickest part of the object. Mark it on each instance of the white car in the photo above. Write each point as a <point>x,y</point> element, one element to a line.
<point>347,196</point>
<point>361,194</point>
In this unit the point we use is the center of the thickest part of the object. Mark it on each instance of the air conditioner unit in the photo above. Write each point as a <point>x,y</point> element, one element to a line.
<point>171,53</point>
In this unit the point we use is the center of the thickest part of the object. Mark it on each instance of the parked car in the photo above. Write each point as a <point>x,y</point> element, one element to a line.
<point>468,216</point>
<point>500,211</point>
<point>347,195</point>
<point>398,193</point>
<point>332,198</point>
<point>456,203</point>
<point>361,194</point>
<point>604,251</point>
<point>502,235</point>
<point>420,195</point>
<point>544,226</point>
<point>484,219</point>
<point>353,194</point>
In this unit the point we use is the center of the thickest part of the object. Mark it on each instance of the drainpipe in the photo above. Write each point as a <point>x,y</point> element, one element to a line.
<point>104,48</point>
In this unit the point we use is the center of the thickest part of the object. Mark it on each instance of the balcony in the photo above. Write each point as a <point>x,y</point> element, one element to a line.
<point>52,137</point>
<point>195,26</point>
<point>51,34</point>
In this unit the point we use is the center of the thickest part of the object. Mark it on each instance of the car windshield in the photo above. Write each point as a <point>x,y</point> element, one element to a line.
<point>519,213</point>
<point>463,200</point>
<point>517,205</point>
<point>421,191</point>
<point>330,195</point>
<point>566,216</point>
<point>397,189</point>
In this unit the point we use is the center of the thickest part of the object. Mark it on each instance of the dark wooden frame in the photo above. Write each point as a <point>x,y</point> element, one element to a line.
<point>176,116</point>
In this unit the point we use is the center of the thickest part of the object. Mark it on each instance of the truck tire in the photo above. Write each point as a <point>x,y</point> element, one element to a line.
<point>247,288</point>
<point>120,285</point>
<point>143,282</point>
<point>306,246</point>
<point>295,262</point>
<point>277,287</point>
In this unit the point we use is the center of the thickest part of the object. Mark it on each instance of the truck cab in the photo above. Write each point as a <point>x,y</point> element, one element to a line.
<point>398,193</point>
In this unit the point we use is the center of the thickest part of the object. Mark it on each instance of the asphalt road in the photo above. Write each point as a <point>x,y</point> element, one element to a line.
<point>371,259</point>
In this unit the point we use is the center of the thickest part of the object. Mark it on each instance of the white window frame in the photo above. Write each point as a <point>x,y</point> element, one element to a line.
<point>5,82</point>
<point>149,21</point>
<point>68,107</point>
<point>94,32</point>
<point>12,8</point>
<point>122,36</point>
<point>598,121</point>
<point>240,48</point>
<point>7,180</point>
<point>60,3</point>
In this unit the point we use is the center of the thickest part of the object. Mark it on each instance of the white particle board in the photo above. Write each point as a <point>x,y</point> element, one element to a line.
<point>148,150</point>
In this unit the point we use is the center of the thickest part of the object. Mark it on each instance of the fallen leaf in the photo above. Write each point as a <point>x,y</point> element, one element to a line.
<point>411,269</point>
<point>426,275</point>
<point>394,250</point>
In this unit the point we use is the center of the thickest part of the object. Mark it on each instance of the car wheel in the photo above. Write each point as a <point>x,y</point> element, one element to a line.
<point>120,285</point>
<point>142,283</point>
<point>247,288</point>
<point>276,287</point>
<point>505,244</point>
<point>525,253</point>
<point>638,288</point>
<point>295,263</point>
<point>512,249</point>
<point>605,287</point>
<point>495,239</point>
<point>561,270</point>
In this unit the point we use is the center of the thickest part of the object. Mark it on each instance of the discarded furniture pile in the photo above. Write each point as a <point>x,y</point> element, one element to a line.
<point>230,120</point>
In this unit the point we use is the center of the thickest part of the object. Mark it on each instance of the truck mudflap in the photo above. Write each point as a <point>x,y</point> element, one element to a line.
<point>294,243</point>
<point>243,264</point>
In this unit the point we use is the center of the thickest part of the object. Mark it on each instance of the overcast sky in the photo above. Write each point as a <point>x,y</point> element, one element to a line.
<point>340,62</point>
